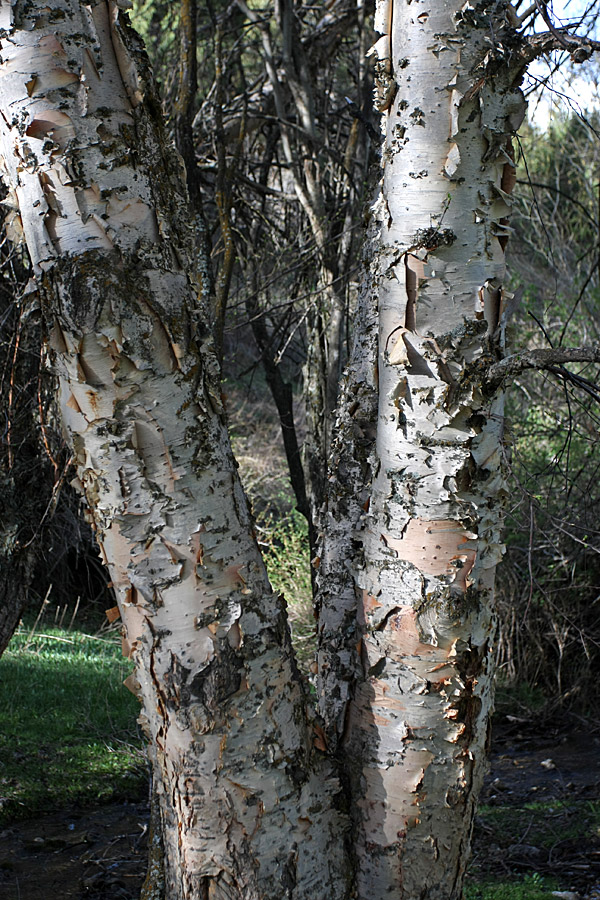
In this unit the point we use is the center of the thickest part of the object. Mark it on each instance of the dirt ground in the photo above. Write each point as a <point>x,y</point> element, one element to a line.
<point>74,854</point>
<point>541,787</point>
<point>540,809</point>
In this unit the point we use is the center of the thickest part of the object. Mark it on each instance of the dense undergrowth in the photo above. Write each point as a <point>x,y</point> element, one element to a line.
<point>549,582</point>
<point>530,888</point>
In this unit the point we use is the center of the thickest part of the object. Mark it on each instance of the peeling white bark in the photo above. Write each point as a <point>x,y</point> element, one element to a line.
<point>413,725</point>
<point>248,807</point>
<point>249,810</point>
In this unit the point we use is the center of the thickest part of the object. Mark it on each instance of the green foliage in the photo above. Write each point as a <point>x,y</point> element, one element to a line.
<point>284,542</point>
<point>67,731</point>
<point>518,698</point>
<point>549,583</point>
<point>157,22</point>
<point>532,887</point>
<point>282,531</point>
<point>545,822</point>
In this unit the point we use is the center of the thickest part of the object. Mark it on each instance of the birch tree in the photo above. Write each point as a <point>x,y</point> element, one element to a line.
<point>102,208</point>
<point>256,798</point>
<point>407,629</point>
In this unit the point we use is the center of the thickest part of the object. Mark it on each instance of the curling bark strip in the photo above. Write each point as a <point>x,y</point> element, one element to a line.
<point>102,208</point>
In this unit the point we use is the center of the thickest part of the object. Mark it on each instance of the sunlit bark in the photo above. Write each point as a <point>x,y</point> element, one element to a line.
<point>246,802</point>
<point>412,724</point>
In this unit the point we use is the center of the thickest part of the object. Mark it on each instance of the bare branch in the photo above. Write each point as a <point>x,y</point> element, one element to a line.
<point>540,359</point>
<point>580,47</point>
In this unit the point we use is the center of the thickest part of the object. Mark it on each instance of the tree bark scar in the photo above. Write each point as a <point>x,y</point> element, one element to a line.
<point>437,547</point>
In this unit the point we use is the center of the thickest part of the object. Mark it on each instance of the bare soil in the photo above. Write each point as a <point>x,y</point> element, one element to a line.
<point>540,807</point>
<point>539,814</point>
<point>94,854</point>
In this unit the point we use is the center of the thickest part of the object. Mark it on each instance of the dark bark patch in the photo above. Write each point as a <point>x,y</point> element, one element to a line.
<point>220,680</point>
<point>432,238</point>
<point>288,875</point>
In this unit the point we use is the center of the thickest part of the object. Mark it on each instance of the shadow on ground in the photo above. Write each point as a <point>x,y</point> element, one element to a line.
<point>539,813</point>
<point>94,854</point>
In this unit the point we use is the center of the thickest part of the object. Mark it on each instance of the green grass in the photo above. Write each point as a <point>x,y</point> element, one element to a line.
<point>518,698</point>
<point>67,724</point>
<point>284,542</point>
<point>532,887</point>
<point>546,822</point>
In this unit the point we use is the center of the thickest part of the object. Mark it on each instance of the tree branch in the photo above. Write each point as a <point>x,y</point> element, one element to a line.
<point>580,48</point>
<point>539,359</point>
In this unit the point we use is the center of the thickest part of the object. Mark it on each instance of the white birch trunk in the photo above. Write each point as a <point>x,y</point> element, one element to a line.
<point>249,810</point>
<point>414,734</point>
<point>248,807</point>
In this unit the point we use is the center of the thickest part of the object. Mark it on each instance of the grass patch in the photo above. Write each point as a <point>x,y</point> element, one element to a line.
<point>518,698</point>
<point>545,823</point>
<point>531,887</point>
<point>67,724</point>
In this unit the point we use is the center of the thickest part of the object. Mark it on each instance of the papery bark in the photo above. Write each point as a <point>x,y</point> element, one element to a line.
<point>412,722</point>
<point>248,806</point>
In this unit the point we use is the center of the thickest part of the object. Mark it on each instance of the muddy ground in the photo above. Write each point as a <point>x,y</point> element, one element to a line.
<point>540,814</point>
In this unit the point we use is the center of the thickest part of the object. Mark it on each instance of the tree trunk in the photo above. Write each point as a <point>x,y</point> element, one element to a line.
<point>247,804</point>
<point>249,808</point>
<point>413,738</point>
<point>348,496</point>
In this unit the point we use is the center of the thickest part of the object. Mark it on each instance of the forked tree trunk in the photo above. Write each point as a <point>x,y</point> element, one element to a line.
<point>247,803</point>
<point>249,808</point>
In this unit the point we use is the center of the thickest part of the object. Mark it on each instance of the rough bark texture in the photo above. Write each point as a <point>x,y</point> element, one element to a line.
<point>247,805</point>
<point>348,492</point>
<point>512,366</point>
<point>249,809</point>
<point>412,725</point>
